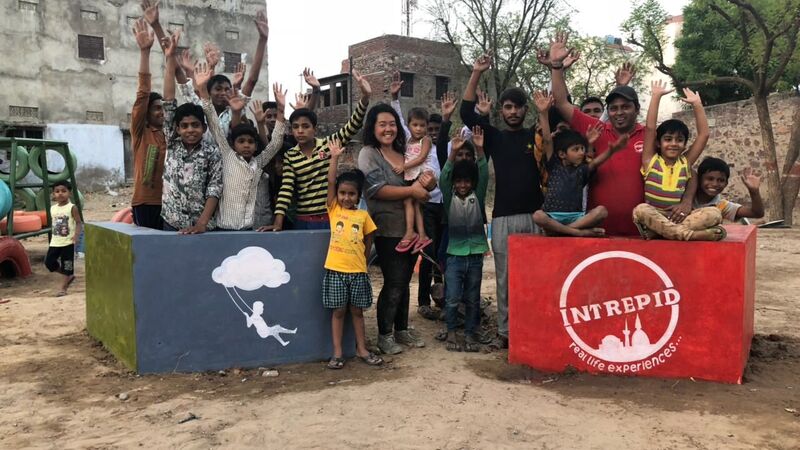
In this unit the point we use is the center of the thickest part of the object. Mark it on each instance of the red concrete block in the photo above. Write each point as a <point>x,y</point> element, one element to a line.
<point>633,307</point>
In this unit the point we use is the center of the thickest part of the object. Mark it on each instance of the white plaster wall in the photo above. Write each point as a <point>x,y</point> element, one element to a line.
<point>94,145</point>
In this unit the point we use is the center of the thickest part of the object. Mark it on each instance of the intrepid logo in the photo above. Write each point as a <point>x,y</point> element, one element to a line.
<point>611,335</point>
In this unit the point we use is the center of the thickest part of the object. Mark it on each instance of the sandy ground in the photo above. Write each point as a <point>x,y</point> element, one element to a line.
<point>58,388</point>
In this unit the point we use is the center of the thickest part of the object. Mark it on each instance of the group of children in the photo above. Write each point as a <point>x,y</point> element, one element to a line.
<point>202,165</point>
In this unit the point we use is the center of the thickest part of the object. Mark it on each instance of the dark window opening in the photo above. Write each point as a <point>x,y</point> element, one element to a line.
<point>90,47</point>
<point>442,86</point>
<point>407,90</point>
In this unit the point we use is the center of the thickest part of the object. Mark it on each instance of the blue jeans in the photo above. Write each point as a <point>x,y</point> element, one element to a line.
<point>463,281</point>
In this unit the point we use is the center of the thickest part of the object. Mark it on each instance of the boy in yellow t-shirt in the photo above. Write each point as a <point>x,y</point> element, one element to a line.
<point>66,229</point>
<point>346,283</point>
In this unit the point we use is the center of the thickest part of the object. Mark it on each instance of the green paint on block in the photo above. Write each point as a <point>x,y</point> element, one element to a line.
<point>110,315</point>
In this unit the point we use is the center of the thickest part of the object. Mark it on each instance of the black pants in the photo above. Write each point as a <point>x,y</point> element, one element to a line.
<point>148,216</point>
<point>393,300</point>
<point>61,260</point>
<point>432,214</point>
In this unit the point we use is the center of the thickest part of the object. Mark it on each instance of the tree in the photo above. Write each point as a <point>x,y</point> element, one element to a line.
<point>754,54</point>
<point>593,74</point>
<point>509,29</point>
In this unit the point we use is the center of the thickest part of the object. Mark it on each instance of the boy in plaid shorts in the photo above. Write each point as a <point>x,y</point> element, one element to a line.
<point>346,283</point>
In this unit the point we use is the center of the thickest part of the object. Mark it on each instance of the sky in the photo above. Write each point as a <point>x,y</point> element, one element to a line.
<point>317,33</point>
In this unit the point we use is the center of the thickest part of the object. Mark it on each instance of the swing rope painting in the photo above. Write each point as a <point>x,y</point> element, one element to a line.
<point>249,270</point>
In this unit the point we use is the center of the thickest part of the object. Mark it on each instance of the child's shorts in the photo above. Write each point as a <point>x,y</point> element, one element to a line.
<point>565,218</point>
<point>340,289</point>
<point>61,260</point>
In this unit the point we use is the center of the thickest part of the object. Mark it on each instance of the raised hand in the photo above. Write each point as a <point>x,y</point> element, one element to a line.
<point>311,80</point>
<point>150,11</point>
<point>280,98</point>
<point>335,147</point>
<point>449,102</point>
<point>692,97</point>
<point>571,58</point>
<point>257,109</point>
<point>620,143</point>
<point>593,133</point>
<point>186,63</point>
<point>144,37</point>
<point>300,101</point>
<point>395,85</point>
<point>212,53</point>
<point>751,180</point>
<point>238,76</point>
<point>170,43</point>
<point>484,104</point>
<point>262,25</point>
<point>202,73</point>
<point>477,136</point>
<point>236,102</point>
<point>456,144</point>
<point>659,88</point>
<point>543,100</point>
<point>483,63</point>
<point>543,56</point>
<point>625,74</point>
<point>363,84</point>
<point>558,48</point>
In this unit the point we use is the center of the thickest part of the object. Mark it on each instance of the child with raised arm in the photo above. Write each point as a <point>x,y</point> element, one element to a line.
<point>193,167</point>
<point>668,182</point>
<point>241,169</point>
<point>346,284</point>
<point>305,165</point>
<point>147,138</point>
<point>66,229</point>
<point>417,149</point>
<point>713,175</point>
<point>464,185</point>
<point>568,172</point>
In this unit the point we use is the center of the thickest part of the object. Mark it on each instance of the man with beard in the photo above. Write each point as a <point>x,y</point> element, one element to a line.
<point>618,184</point>
<point>518,194</point>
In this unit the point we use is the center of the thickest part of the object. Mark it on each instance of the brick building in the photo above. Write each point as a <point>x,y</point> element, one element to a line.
<point>428,69</point>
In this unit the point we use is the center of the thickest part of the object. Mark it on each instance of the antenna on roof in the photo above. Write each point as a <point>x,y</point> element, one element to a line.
<point>408,6</point>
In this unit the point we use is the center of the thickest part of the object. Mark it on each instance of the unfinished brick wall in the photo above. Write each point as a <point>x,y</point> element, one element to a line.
<point>736,137</point>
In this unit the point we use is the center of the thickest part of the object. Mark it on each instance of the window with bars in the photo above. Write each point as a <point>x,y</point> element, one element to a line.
<point>407,90</point>
<point>442,86</point>
<point>90,47</point>
<point>94,116</point>
<point>231,61</point>
<point>175,26</point>
<point>28,5</point>
<point>87,14</point>
<point>25,132</point>
<point>232,35</point>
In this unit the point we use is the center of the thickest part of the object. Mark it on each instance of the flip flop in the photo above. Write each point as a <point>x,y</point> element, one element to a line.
<point>336,363</point>
<point>642,231</point>
<point>406,244</point>
<point>371,359</point>
<point>421,244</point>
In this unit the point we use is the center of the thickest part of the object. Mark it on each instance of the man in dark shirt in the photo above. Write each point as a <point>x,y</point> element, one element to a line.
<point>518,192</point>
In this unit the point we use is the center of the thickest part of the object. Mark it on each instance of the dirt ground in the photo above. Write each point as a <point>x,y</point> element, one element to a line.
<point>58,388</point>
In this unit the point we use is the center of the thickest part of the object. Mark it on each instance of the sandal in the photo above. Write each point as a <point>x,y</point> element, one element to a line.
<point>336,363</point>
<point>720,233</point>
<point>471,344</point>
<point>453,346</point>
<point>441,335</point>
<point>427,312</point>
<point>406,244</point>
<point>644,232</point>
<point>421,244</point>
<point>371,359</point>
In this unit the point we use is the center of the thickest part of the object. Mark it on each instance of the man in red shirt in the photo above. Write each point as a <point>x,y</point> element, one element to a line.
<point>617,184</point>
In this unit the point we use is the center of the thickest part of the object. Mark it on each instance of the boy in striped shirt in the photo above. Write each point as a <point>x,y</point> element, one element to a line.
<point>667,172</point>
<point>305,166</point>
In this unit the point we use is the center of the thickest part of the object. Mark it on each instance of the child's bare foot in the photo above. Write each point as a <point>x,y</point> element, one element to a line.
<point>592,232</point>
<point>710,234</point>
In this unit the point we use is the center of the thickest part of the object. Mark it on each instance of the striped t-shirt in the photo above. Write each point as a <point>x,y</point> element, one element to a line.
<point>305,178</point>
<point>663,184</point>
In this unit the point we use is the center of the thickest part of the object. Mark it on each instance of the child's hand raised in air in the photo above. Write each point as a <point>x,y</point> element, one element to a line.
<point>363,85</point>
<point>692,97</point>
<point>257,109</point>
<point>483,63</point>
<point>571,58</point>
<point>150,11</point>
<point>170,43</point>
<point>236,102</point>
<point>202,73</point>
<point>449,102</point>
<point>144,37</point>
<point>300,101</point>
<point>238,77</point>
<point>212,54</point>
<point>594,132</point>
<point>186,63</point>
<point>311,80</point>
<point>625,74</point>
<point>280,98</point>
<point>484,104</point>
<point>751,180</point>
<point>543,100</point>
<point>660,88</point>
<point>477,136</point>
<point>620,143</point>
<point>335,147</point>
<point>262,25</point>
<point>395,85</point>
